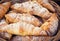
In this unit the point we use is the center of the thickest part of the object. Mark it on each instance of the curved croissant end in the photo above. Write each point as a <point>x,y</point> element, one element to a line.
<point>50,26</point>
<point>4,8</point>
<point>46,4</point>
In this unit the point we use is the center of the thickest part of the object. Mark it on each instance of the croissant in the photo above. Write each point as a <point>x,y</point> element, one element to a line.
<point>4,8</point>
<point>51,25</point>
<point>4,35</point>
<point>46,4</point>
<point>24,28</point>
<point>32,7</point>
<point>14,17</point>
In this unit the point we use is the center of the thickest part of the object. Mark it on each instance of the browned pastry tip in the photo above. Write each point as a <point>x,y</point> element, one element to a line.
<point>51,25</point>
<point>4,8</point>
<point>7,4</point>
<point>46,4</point>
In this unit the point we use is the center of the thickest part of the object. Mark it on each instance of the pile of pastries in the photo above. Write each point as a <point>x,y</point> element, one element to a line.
<point>29,18</point>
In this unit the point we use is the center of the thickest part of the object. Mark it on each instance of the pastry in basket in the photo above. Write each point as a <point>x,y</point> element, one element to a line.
<point>4,35</point>
<point>24,28</point>
<point>50,26</point>
<point>16,17</point>
<point>32,7</point>
<point>46,4</point>
<point>4,8</point>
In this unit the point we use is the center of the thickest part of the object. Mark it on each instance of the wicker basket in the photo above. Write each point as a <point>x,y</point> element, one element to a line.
<point>40,38</point>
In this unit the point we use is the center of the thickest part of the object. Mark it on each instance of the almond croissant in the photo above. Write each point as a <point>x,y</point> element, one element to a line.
<point>32,7</point>
<point>16,17</point>
<point>23,28</point>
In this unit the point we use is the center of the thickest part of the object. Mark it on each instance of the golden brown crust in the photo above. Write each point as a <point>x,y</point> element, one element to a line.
<point>32,7</point>
<point>16,17</point>
<point>4,8</point>
<point>46,4</point>
<point>51,25</point>
<point>4,35</point>
<point>23,28</point>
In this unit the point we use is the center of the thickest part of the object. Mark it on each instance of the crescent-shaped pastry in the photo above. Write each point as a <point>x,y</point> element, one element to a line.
<point>23,28</point>
<point>32,7</point>
<point>4,8</point>
<point>16,17</point>
<point>4,35</point>
<point>50,26</point>
<point>46,4</point>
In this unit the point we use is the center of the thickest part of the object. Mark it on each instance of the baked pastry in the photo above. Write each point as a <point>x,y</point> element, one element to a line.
<point>4,8</point>
<point>16,17</point>
<point>4,35</point>
<point>50,26</point>
<point>46,4</point>
<point>24,28</point>
<point>32,7</point>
